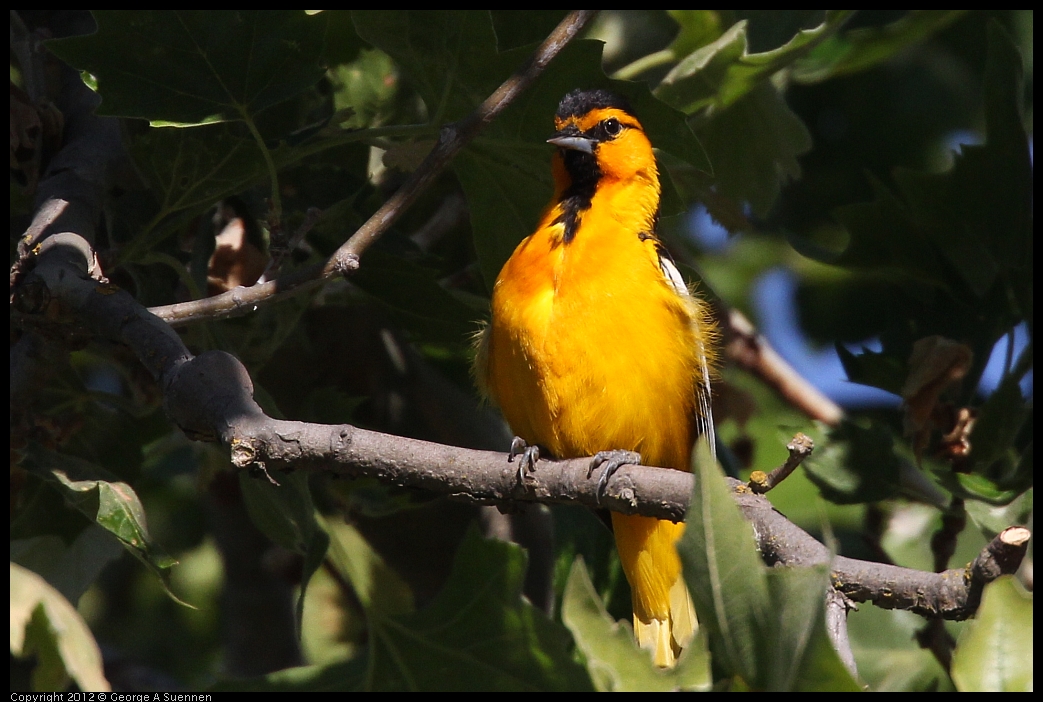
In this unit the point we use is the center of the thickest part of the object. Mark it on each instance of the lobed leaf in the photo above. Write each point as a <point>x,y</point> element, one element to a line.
<point>185,67</point>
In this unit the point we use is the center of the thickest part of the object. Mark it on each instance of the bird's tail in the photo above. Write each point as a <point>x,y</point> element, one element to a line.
<point>664,616</point>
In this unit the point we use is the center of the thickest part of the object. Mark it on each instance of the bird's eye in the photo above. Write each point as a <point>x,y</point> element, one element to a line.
<point>612,126</point>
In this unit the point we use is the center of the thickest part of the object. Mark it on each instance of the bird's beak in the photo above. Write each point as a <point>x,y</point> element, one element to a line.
<point>576,143</point>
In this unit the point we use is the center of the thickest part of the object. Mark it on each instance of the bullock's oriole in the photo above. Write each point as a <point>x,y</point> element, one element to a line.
<point>596,346</point>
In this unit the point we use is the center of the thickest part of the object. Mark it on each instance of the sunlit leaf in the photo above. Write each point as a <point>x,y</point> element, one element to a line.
<point>765,626</point>
<point>45,625</point>
<point>110,503</point>
<point>994,654</point>
<point>611,653</point>
<point>860,49</point>
<point>722,72</point>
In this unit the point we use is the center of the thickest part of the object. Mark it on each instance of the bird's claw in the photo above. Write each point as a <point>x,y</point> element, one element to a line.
<point>529,456</point>
<point>612,461</point>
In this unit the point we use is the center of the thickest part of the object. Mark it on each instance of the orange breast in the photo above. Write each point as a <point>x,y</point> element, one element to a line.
<point>591,350</point>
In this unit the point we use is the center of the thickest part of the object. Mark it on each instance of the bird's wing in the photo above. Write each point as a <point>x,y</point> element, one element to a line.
<point>702,389</point>
<point>480,367</point>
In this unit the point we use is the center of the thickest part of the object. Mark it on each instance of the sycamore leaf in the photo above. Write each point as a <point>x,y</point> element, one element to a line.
<point>478,634</point>
<point>753,145</point>
<point>720,73</point>
<point>184,67</point>
<point>966,233</point>
<point>415,298</point>
<point>859,49</point>
<point>286,515</point>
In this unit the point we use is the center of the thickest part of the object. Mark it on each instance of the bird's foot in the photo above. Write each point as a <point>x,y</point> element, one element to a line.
<point>612,461</point>
<point>529,455</point>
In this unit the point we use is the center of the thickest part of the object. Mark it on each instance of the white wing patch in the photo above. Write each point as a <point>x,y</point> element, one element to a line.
<point>702,390</point>
<point>673,276</point>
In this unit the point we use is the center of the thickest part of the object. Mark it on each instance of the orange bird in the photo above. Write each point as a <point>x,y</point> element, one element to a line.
<point>596,347</point>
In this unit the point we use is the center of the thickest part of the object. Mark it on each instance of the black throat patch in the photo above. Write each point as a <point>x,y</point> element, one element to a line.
<point>584,175</point>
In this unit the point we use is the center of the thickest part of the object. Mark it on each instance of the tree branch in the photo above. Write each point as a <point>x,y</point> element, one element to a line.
<point>747,349</point>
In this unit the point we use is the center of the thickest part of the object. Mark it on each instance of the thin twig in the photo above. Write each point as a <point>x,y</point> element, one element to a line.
<point>452,139</point>
<point>799,448</point>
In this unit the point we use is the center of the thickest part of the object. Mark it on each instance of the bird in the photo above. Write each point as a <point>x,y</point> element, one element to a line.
<point>597,347</point>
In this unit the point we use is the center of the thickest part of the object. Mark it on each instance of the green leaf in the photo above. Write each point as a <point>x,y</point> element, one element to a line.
<point>415,298</point>
<point>883,237</point>
<point>992,519</point>
<point>857,464</point>
<point>343,44</point>
<point>286,515</point>
<point>802,657</point>
<point>579,533</point>
<point>366,86</point>
<point>722,72</point>
<point>860,49</point>
<point>999,420</point>
<point>694,82</point>
<point>189,170</point>
<point>45,625</point>
<point>765,626</point>
<point>698,28</point>
<point>1000,172</point>
<point>450,56</point>
<point>979,487</point>
<point>753,146</point>
<point>966,234</point>
<point>110,503</point>
<point>612,656</point>
<point>877,369</point>
<point>479,633</point>
<point>502,215</point>
<point>70,569</point>
<point>887,654</point>
<point>512,32</point>
<point>725,575</point>
<point>190,67</point>
<point>348,676</point>
<point>380,590</point>
<point>994,652</point>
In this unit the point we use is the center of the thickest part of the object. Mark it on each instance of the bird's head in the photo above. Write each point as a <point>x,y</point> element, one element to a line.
<point>598,136</point>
